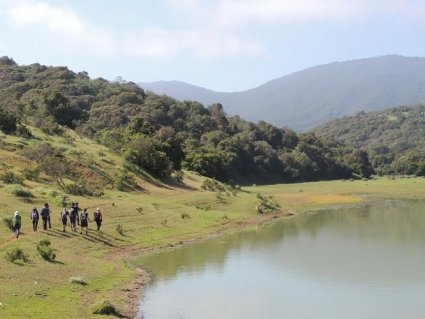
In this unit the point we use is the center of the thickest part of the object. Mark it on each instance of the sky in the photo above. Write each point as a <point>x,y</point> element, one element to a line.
<point>223,45</point>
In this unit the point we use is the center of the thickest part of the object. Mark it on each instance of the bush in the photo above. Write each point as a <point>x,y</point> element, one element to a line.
<point>11,178</point>
<point>178,176</point>
<point>80,189</point>
<point>106,308</point>
<point>8,222</point>
<point>31,174</point>
<point>185,216</point>
<point>45,251</point>
<point>63,201</point>
<point>126,182</point>
<point>120,229</point>
<point>20,191</point>
<point>16,254</point>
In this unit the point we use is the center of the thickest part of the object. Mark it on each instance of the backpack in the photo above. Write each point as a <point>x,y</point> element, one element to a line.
<point>98,216</point>
<point>83,216</point>
<point>17,219</point>
<point>63,216</point>
<point>34,215</point>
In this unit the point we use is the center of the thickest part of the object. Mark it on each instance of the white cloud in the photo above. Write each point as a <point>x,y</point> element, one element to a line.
<point>54,18</point>
<point>70,31</point>
<point>205,44</point>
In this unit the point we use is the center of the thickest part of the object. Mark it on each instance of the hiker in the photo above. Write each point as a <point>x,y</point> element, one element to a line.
<point>77,209</point>
<point>35,216</point>
<point>98,218</point>
<point>64,218</point>
<point>73,216</point>
<point>84,221</point>
<point>16,223</point>
<point>45,216</point>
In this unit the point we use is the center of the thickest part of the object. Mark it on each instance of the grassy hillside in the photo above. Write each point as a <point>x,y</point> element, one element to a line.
<point>394,139</point>
<point>156,214</point>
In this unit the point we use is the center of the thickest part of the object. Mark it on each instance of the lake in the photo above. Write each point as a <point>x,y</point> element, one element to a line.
<point>362,262</point>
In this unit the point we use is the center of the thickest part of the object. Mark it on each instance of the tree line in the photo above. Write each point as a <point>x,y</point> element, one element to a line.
<point>162,135</point>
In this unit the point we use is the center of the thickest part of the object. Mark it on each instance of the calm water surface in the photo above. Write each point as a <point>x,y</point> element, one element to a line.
<point>364,262</point>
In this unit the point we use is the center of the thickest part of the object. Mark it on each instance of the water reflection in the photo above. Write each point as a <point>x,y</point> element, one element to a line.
<point>378,247</point>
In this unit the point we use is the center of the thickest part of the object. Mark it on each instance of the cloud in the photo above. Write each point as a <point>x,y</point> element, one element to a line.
<point>70,30</point>
<point>205,44</point>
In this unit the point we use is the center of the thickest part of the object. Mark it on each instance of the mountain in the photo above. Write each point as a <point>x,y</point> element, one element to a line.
<point>394,138</point>
<point>313,96</point>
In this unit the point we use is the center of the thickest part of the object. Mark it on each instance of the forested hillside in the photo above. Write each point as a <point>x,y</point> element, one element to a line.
<point>159,134</point>
<point>394,139</point>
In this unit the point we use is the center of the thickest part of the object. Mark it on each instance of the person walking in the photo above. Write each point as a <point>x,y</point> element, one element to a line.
<point>73,217</point>
<point>16,223</point>
<point>64,218</point>
<point>35,216</point>
<point>84,221</point>
<point>45,216</point>
<point>98,218</point>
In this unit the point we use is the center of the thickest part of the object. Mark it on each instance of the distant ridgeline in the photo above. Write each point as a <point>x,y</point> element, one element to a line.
<point>160,134</point>
<point>394,139</point>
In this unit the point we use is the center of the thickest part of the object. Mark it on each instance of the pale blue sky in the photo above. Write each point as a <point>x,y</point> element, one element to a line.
<point>223,45</point>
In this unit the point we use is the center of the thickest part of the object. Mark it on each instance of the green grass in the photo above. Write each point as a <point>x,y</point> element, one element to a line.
<point>149,217</point>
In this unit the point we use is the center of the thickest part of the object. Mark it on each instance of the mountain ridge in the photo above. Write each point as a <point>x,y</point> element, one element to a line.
<point>328,91</point>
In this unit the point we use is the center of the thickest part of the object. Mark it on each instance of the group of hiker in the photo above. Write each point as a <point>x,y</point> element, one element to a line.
<point>72,214</point>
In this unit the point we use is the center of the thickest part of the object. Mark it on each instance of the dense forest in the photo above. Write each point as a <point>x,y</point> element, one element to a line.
<point>162,135</point>
<point>394,139</point>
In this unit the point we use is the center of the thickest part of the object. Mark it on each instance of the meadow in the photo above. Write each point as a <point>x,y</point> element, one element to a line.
<point>89,269</point>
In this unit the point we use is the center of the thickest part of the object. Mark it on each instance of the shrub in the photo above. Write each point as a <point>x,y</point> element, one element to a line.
<point>20,191</point>
<point>16,254</point>
<point>178,176</point>
<point>45,251</point>
<point>105,308</point>
<point>185,216</point>
<point>63,201</point>
<point>126,182</point>
<point>31,174</point>
<point>8,222</point>
<point>11,178</point>
<point>80,189</point>
<point>120,229</point>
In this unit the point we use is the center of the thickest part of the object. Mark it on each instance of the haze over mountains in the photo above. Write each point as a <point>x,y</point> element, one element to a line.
<point>310,97</point>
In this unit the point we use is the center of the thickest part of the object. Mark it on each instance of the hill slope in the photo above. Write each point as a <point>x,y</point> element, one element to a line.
<point>394,139</point>
<point>313,96</point>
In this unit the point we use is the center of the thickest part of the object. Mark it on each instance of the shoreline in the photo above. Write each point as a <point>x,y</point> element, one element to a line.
<point>134,293</point>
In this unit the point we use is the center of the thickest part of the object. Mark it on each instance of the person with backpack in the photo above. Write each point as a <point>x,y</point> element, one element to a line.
<point>45,216</point>
<point>73,215</point>
<point>35,217</point>
<point>98,218</point>
<point>64,218</point>
<point>16,223</point>
<point>84,221</point>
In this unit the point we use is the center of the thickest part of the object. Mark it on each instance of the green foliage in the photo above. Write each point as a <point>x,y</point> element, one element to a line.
<point>16,254</point>
<point>20,191</point>
<point>266,205</point>
<point>186,216</point>
<point>105,308</point>
<point>156,133</point>
<point>45,251</point>
<point>8,222</point>
<point>31,174</point>
<point>120,229</point>
<point>9,177</point>
<point>393,139</point>
<point>82,189</point>
<point>125,182</point>
<point>63,201</point>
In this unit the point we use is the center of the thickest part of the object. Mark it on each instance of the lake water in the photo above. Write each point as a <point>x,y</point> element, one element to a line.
<point>366,262</point>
